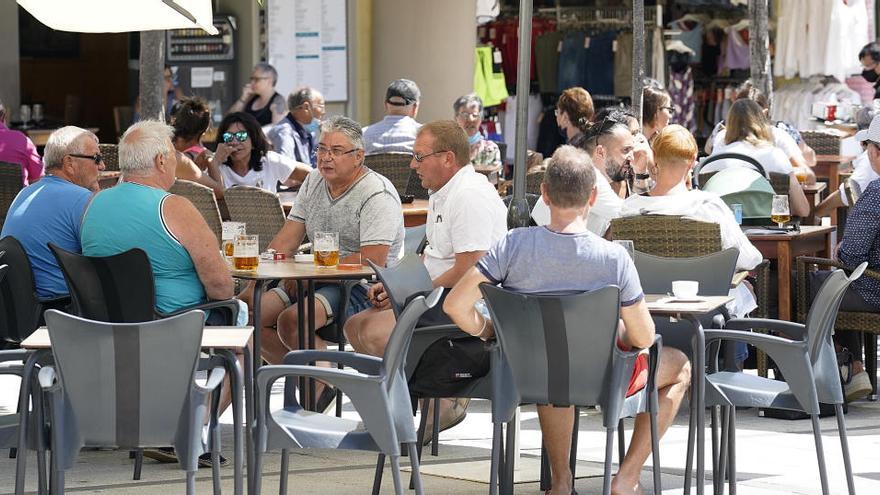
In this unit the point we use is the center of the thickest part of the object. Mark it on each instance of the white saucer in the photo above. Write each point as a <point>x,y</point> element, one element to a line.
<point>304,258</point>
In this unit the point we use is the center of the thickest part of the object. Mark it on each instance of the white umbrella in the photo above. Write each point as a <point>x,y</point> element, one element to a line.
<point>118,16</point>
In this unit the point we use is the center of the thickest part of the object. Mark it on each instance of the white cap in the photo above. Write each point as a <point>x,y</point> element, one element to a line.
<point>862,135</point>
<point>872,133</point>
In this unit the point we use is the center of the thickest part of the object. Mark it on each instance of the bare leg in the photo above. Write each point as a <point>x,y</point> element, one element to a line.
<point>369,331</point>
<point>273,349</point>
<point>672,383</point>
<point>288,332</point>
<point>556,426</point>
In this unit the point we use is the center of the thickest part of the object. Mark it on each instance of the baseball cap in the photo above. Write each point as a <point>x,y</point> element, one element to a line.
<point>862,135</point>
<point>402,92</point>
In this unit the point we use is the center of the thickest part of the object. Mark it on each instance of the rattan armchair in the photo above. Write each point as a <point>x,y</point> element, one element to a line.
<point>110,154</point>
<point>851,321</point>
<point>394,166</point>
<point>823,143</point>
<point>10,184</point>
<point>202,197</point>
<point>258,208</point>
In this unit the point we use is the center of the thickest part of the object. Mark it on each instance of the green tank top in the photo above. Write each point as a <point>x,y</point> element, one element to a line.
<point>129,216</point>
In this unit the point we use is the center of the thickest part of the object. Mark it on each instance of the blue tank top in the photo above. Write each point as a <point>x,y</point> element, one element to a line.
<point>129,216</point>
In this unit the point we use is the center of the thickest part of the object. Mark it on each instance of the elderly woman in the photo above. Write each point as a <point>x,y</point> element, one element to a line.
<point>485,155</point>
<point>259,98</point>
<point>244,158</point>
<point>574,111</point>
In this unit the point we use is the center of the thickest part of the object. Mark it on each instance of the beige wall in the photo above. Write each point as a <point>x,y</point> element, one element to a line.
<point>9,83</point>
<point>431,42</point>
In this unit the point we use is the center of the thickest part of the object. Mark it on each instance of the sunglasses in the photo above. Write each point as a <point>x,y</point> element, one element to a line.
<point>240,136</point>
<point>97,158</point>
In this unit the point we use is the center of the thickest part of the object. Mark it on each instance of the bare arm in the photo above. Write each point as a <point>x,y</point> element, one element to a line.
<point>463,263</point>
<point>638,326</point>
<point>188,226</point>
<point>459,304</point>
<point>289,238</point>
<point>188,170</point>
<point>377,253</point>
<point>799,205</point>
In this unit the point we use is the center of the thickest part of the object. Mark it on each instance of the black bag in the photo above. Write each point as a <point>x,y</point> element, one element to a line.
<point>449,366</point>
<point>844,361</point>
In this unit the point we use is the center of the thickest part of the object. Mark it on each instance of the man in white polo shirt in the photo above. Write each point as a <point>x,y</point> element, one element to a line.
<point>465,218</point>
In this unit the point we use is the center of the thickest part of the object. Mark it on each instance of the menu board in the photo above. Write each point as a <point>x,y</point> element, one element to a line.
<point>307,45</point>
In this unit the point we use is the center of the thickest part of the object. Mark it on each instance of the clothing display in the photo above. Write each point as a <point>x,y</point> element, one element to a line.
<point>489,83</point>
<point>793,102</point>
<point>508,118</point>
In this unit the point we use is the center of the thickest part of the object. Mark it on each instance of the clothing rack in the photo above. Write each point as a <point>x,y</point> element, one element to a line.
<point>610,15</point>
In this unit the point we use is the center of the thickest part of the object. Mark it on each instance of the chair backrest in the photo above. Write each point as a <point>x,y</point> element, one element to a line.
<point>414,187</point>
<point>414,239</point>
<point>403,280</point>
<point>126,383</point>
<point>110,153</point>
<point>122,118</point>
<point>559,348</point>
<point>713,271</point>
<point>823,143</point>
<point>668,236</point>
<point>10,185</point>
<point>780,183</point>
<point>732,156</point>
<point>116,289</point>
<point>202,197</point>
<point>18,298</point>
<point>258,208</point>
<point>533,182</point>
<point>398,344</point>
<point>394,166</point>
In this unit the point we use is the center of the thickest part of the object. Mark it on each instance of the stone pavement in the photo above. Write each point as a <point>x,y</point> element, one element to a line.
<point>773,457</point>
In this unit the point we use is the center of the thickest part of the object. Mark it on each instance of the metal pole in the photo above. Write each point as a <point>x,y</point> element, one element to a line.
<point>638,72</point>
<point>518,213</point>
<point>759,50</point>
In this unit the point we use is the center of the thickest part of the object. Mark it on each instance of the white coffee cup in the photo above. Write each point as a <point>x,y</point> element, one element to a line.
<point>685,288</point>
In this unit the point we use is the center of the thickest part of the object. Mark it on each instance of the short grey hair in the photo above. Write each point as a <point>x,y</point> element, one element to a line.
<point>300,97</point>
<point>570,177</point>
<point>140,145</point>
<point>267,68</point>
<point>465,101</point>
<point>65,141</point>
<point>349,127</point>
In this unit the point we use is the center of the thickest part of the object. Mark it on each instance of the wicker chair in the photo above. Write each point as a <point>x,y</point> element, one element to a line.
<point>823,143</point>
<point>414,187</point>
<point>394,166</point>
<point>851,321</point>
<point>202,197</point>
<point>10,185</point>
<point>110,153</point>
<point>258,208</point>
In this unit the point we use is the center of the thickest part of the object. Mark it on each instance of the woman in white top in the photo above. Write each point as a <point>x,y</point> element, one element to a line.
<point>675,151</point>
<point>244,158</point>
<point>748,133</point>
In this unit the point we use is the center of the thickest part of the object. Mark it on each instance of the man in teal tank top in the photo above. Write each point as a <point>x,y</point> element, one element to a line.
<point>140,213</point>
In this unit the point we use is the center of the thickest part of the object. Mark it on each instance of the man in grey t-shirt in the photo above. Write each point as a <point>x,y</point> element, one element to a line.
<point>340,196</point>
<point>540,260</point>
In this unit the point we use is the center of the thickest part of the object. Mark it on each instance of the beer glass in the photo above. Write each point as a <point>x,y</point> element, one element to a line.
<point>230,230</point>
<point>628,245</point>
<point>246,252</point>
<point>325,247</point>
<point>779,211</point>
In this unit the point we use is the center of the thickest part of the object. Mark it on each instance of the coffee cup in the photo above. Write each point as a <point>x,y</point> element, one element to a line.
<point>685,288</point>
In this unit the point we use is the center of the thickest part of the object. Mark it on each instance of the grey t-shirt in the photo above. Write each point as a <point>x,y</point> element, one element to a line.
<point>536,260</point>
<point>368,213</point>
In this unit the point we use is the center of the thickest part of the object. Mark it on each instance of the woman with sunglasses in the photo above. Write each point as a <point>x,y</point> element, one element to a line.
<point>657,110</point>
<point>244,158</point>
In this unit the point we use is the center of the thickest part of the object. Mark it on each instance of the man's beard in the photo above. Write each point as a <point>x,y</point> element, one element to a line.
<point>616,171</point>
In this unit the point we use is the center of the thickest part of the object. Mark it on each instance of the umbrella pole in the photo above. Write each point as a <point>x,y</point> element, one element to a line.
<point>519,213</point>
<point>638,72</point>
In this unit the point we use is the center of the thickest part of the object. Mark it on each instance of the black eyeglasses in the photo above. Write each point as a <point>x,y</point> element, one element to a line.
<point>97,158</point>
<point>671,109</point>
<point>420,158</point>
<point>334,152</point>
<point>240,136</point>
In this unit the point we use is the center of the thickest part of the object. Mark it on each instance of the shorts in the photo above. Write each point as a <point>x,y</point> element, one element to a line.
<point>328,295</point>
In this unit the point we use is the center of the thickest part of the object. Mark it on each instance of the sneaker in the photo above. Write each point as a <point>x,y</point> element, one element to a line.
<point>205,460</point>
<point>859,387</point>
<point>448,418</point>
<point>162,454</point>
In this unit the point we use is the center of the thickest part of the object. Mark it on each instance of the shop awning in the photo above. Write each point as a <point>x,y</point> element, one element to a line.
<point>118,16</point>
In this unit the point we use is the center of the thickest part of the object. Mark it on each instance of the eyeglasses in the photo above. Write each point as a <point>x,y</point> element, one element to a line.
<point>334,152</point>
<point>97,158</point>
<point>240,136</point>
<point>671,110</point>
<point>420,158</point>
<point>259,78</point>
<point>469,115</point>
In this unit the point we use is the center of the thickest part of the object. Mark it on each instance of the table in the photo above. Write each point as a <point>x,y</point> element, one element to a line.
<point>414,214</point>
<point>226,340</point>
<point>658,306</point>
<point>785,247</point>
<point>813,192</point>
<point>41,136</point>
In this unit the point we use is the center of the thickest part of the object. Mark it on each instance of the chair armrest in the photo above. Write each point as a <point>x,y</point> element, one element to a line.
<point>809,260</point>
<point>13,355</point>
<point>215,378</point>
<point>361,362</point>
<point>229,304</point>
<point>791,329</point>
<point>48,379</point>
<point>340,378</point>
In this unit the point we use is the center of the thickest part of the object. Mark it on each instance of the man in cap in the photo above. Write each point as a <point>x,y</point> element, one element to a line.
<point>395,133</point>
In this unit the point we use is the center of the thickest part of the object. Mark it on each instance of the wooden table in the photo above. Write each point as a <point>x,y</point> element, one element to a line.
<point>414,214</point>
<point>224,341</point>
<point>41,136</point>
<point>813,192</point>
<point>660,305</point>
<point>785,247</point>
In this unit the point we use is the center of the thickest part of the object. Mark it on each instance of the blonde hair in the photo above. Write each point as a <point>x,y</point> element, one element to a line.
<point>674,143</point>
<point>746,122</point>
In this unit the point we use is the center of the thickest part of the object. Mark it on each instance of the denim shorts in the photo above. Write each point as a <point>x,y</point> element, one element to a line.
<point>329,294</point>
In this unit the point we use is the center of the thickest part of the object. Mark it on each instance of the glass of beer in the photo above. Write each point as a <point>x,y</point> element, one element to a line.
<point>779,211</point>
<point>801,176</point>
<point>246,252</point>
<point>325,247</point>
<point>230,230</point>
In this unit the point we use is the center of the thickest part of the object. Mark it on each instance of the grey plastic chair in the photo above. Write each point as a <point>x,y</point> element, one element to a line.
<point>562,350</point>
<point>806,357</point>
<point>714,273</point>
<point>415,239</point>
<point>128,385</point>
<point>378,391</point>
